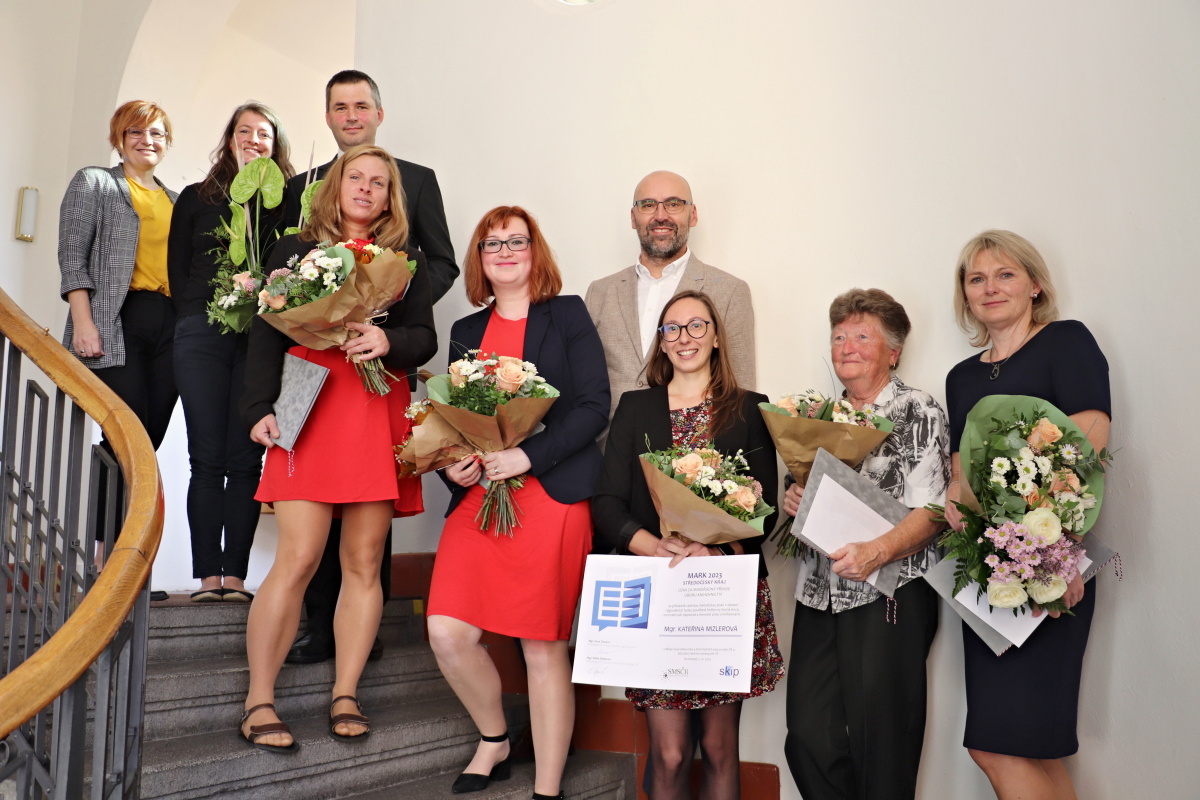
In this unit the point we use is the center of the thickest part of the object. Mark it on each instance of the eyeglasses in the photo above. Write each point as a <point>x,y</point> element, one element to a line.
<point>140,133</point>
<point>696,329</point>
<point>514,243</point>
<point>673,205</point>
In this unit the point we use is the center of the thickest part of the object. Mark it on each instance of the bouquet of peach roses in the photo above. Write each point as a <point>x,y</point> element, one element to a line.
<point>490,403</point>
<point>1036,481</point>
<point>704,496</point>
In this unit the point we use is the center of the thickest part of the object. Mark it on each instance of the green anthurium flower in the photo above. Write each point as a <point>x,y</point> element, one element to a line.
<point>237,234</point>
<point>260,175</point>
<point>307,198</point>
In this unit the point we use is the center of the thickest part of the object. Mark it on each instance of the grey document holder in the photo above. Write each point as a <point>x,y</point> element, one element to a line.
<point>298,389</point>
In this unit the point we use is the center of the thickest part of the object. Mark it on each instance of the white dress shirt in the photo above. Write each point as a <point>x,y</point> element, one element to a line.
<point>653,293</point>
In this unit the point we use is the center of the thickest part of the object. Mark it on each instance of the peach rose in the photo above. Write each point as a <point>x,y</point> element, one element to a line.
<point>244,282</point>
<point>788,404</point>
<point>743,498</point>
<point>689,467</point>
<point>510,374</point>
<point>275,302</point>
<point>711,457</point>
<point>1064,480</point>
<point>457,378</point>
<point>1044,432</point>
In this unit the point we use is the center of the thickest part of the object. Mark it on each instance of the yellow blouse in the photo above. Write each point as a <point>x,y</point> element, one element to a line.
<point>153,208</point>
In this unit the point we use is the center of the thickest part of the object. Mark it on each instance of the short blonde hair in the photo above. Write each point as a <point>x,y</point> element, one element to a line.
<point>136,114</point>
<point>325,222</point>
<point>1022,253</point>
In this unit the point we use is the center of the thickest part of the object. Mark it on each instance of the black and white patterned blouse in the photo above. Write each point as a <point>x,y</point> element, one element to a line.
<point>913,466</point>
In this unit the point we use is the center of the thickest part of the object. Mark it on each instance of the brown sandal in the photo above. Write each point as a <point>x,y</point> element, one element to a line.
<point>262,730</point>
<point>338,719</point>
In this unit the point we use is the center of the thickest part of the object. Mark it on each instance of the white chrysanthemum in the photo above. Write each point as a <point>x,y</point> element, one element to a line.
<point>1000,481</point>
<point>1024,485</point>
<point>711,485</point>
<point>1025,454</point>
<point>468,368</point>
<point>1001,465</point>
<point>1026,468</point>
<point>1044,466</point>
<point>729,486</point>
<point>328,262</point>
<point>309,272</point>
<point>708,473</point>
<point>330,278</point>
<point>476,376</point>
<point>1070,452</point>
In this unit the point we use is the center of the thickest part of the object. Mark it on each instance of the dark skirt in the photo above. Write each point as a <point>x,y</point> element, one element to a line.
<point>1025,702</point>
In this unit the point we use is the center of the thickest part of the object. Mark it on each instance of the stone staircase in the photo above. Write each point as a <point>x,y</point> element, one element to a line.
<point>421,736</point>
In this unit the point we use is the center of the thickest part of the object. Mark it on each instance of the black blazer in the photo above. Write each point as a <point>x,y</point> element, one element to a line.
<point>622,503</point>
<point>409,329</point>
<point>562,342</point>
<point>427,229</point>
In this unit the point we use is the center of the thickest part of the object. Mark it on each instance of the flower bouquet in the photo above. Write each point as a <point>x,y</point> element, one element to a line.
<point>494,403</point>
<point>432,444</point>
<point>803,423</point>
<point>704,496</point>
<point>314,296</point>
<point>235,291</point>
<point>1034,478</point>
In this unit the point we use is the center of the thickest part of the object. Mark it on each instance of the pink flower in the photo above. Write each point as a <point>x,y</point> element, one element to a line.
<point>273,301</point>
<point>689,467</point>
<point>282,272</point>
<point>743,498</point>
<point>1044,432</point>
<point>245,282</point>
<point>510,374</point>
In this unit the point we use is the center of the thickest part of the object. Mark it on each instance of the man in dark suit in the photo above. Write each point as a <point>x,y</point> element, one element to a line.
<point>353,112</point>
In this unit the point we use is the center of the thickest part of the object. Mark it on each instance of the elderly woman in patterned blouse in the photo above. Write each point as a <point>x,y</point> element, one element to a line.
<point>856,678</point>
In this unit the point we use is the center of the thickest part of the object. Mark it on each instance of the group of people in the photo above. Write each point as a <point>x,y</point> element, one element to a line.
<point>661,352</point>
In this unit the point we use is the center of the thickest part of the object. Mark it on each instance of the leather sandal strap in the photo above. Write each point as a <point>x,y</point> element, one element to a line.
<point>356,718</point>
<point>501,738</point>
<point>349,697</point>
<point>258,707</point>
<point>271,727</point>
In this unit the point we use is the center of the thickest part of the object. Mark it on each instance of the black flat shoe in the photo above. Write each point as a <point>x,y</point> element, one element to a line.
<point>208,596</point>
<point>237,596</point>
<point>474,782</point>
<point>311,648</point>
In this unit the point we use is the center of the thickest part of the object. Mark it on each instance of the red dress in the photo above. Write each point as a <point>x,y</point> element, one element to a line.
<point>344,451</point>
<point>526,585</point>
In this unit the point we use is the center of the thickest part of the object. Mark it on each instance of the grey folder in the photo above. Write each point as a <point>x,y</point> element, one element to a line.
<point>298,389</point>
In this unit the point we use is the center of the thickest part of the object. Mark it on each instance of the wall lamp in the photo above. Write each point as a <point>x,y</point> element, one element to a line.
<point>27,203</point>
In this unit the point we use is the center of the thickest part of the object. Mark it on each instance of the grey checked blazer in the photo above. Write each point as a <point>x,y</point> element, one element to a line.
<point>612,302</point>
<point>97,242</point>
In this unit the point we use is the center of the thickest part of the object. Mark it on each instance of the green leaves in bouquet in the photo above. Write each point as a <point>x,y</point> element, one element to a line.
<point>260,175</point>
<point>237,235</point>
<point>306,209</point>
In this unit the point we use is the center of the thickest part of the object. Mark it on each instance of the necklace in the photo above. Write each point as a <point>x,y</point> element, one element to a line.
<point>996,365</point>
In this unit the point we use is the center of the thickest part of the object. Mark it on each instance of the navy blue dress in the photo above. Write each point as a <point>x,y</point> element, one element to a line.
<point>1063,365</point>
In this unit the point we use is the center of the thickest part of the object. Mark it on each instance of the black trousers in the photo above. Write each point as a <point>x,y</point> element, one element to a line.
<point>856,697</point>
<point>210,369</point>
<point>146,381</point>
<point>321,596</point>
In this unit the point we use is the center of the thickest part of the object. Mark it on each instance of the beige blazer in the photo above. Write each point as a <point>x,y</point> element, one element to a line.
<point>612,302</point>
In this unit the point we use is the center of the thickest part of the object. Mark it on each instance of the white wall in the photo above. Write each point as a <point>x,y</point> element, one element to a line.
<point>839,144</point>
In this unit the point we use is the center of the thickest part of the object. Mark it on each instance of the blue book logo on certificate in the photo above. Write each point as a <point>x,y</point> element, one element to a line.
<point>622,604</point>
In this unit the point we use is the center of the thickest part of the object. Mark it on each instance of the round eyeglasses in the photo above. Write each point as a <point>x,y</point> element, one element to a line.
<point>695,329</point>
<point>513,243</point>
<point>139,133</point>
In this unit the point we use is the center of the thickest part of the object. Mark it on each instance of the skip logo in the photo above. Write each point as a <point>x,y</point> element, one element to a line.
<point>729,672</point>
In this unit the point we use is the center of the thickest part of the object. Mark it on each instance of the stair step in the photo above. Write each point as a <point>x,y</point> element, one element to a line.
<point>180,629</point>
<point>194,696</point>
<point>590,775</point>
<point>407,742</point>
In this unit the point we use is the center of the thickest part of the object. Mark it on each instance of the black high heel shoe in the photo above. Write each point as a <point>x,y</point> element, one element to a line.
<point>474,782</point>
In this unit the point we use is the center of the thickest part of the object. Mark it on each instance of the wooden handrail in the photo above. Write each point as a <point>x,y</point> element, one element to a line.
<point>69,652</point>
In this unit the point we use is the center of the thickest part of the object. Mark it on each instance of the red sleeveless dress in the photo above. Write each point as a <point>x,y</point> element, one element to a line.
<point>526,585</point>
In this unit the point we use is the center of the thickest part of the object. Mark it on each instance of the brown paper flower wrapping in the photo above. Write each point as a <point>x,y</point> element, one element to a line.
<point>682,512</point>
<point>798,438</point>
<point>513,423</point>
<point>434,444</point>
<point>369,289</point>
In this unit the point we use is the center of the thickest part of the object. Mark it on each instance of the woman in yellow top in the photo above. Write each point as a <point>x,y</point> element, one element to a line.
<point>112,255</point>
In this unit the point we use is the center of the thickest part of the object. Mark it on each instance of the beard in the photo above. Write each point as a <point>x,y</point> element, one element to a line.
<point>663,250</point>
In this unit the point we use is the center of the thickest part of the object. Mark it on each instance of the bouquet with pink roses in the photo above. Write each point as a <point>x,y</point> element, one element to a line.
<point>702,495</point>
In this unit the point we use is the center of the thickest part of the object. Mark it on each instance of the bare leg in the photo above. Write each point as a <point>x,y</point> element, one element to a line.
<point>1015,778</point>
<point>360,604</point>
<point>719,727</point>
<point>1056,771</point>
<point>551,710</point>
<point>670,751</point>
<point>275,613</point>
<point>471,673</point>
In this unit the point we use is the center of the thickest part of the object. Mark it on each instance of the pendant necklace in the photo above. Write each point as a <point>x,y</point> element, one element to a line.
<point>998,364</point>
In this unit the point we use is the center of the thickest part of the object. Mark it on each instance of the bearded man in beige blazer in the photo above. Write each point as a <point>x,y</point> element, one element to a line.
<point>625,306</point>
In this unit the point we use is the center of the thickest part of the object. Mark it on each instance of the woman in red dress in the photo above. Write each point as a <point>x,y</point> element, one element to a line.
<point>342,463</point>
<point>526,585</point>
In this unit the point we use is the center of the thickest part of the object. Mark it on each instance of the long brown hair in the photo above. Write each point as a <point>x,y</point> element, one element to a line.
<point>545,281</point>
<point>723,390</point>
<point>215,188</point>
<point>325,223</point>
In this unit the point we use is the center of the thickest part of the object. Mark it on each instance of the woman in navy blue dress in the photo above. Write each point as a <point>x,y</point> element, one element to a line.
<point>1005,300</point>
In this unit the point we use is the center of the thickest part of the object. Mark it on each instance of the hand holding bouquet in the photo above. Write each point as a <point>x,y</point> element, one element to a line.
<point>805,422</point>
<point>1035,479</point>
<point>314,296</point>
<point>704,496</point>
<point>493,403</point>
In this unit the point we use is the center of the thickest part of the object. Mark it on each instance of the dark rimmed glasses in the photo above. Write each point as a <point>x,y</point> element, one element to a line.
<point>673,205</point>
<point>513,243</point>
<point>695,329</point>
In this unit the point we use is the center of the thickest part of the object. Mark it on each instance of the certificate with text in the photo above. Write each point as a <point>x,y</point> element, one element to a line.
<point>645,624</point>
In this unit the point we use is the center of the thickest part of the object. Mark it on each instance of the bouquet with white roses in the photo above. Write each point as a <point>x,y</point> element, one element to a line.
<point>493,403</point>
<point>805,422</point>
<point>704,496</point>
<point>1035,480</point>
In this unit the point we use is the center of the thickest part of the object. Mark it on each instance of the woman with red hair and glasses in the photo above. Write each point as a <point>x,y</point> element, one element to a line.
<point>525,586</point>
